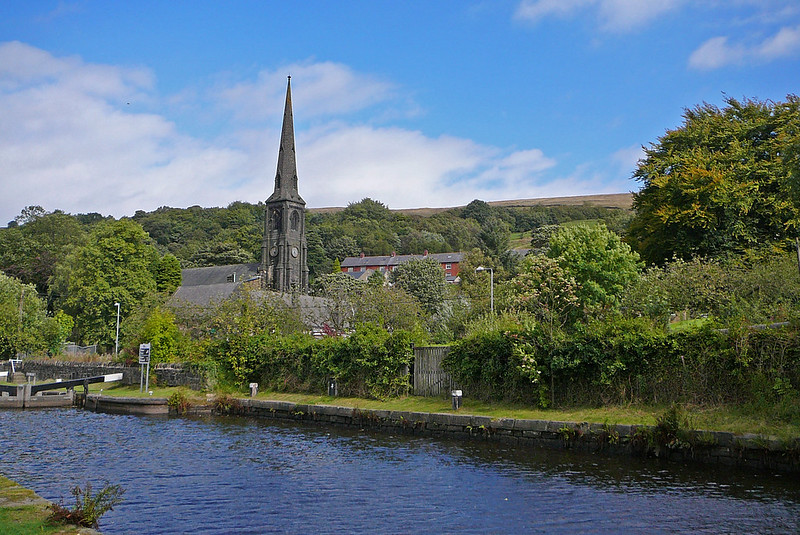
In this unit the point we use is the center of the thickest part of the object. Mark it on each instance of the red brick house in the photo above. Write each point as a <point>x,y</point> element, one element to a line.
<point>361,267</point>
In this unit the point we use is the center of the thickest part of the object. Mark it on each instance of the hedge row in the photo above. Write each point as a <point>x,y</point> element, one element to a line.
<point>629,361</point>
<point>369,363</point>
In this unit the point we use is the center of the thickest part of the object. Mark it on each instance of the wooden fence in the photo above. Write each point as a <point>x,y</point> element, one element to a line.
<point>429,378</point>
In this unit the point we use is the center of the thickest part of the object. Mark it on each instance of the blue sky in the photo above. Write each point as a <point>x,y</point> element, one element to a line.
<point>112,107</point>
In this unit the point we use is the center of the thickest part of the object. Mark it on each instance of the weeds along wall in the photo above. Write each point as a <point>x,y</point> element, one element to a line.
<point>630,361</point>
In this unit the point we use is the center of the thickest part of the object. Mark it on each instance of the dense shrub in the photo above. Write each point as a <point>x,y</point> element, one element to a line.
<point>630,360</point>
<point>370,362</point>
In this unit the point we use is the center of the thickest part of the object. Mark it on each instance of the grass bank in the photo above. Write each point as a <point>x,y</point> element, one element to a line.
<point>732,419</point>
<point>23,512</point>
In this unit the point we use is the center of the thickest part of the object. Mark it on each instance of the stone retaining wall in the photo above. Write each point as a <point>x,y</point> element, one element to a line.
<point>752,451</point>
<point>187,375</point>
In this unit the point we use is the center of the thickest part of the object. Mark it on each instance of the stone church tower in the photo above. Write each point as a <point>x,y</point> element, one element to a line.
<point>284,263</point>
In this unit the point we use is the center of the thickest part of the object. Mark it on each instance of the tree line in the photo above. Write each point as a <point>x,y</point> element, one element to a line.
<point>709,241</point>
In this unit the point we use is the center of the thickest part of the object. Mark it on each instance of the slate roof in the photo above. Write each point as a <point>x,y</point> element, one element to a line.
<point>358,261</point>
<point>218,274</point>
<point>207,285</point>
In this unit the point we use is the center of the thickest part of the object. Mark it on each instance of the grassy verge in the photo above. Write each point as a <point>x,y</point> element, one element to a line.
<point>22,512</point>
<point>739,420</point>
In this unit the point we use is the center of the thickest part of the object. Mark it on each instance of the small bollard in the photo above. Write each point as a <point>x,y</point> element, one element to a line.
<point>456,395</point>
<point>253,390</point>
<point>31,377</point>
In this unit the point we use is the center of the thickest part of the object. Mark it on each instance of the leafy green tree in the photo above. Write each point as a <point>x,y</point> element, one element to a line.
<point>598,260</point>
<point>544,290</point>
<point>419,241</point>
<point>23,323</point>
<point>252,312</point>
<point>424,279</point>
<point>221,254</point>
<point>168,274</point>
<point>29,214</point>
<point>540,238</point>
<point>161,332</point>
<point>495,237</point>
<point>342,294</point>
<point>719,183</point>
<point>391,308</point>
<point>31,250</point>
<point>367,209</point>
<point>341,247</point>
<point>115,266</point>
<point>478,210</point>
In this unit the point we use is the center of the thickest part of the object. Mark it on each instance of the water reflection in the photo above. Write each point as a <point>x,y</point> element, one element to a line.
<point>245,476</point>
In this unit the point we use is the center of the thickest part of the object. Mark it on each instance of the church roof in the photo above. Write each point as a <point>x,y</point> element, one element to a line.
<point>204,285</point>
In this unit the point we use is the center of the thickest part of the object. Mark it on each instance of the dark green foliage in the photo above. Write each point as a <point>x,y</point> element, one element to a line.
<point>31,251</point>
<point>763,290</point>
<point>491,361</point>
<point>601,264</point>
<point>168,274</point>
<point>371,362</point>
<point>424,279</point>
<point>721,183</point>
<point>116,265</point>
<point>631,360</point>
<point>24,327</point>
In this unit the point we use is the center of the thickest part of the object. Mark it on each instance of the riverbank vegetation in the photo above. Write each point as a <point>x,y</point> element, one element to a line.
<point>22,512</point>
<point>693,297</point>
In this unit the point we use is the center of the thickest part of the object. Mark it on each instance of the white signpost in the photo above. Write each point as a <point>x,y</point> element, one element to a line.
<point>144,360</point>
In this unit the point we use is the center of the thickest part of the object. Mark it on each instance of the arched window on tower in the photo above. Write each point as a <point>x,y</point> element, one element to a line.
<point>295,220</point>
<point>275,220</point>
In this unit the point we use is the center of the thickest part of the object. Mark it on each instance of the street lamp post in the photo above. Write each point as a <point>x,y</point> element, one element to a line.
<point>491,284</point>
<point>116,341</point>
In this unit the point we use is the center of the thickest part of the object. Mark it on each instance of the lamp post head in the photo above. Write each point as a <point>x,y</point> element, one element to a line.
<point>116,304</point>
<point>480,268</point>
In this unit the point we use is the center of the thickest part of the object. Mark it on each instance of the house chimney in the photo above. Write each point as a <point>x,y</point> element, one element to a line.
<point>394,253</point>
<point>362,255</point>
<point>425,253</point>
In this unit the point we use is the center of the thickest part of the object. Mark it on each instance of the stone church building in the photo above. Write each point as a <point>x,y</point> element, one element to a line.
<point>284,254</point>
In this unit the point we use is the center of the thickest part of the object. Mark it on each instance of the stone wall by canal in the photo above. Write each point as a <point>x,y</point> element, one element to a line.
<point>188,375</point>
<point>710,447</point>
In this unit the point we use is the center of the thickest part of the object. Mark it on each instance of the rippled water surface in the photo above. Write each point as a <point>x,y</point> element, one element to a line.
<point>243,476</point>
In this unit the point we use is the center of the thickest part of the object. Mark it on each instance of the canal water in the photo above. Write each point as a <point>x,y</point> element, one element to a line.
<point>230,476</point>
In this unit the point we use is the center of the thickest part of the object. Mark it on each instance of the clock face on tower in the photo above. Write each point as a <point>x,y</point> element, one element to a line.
<point>294,252</point>
<point>273,251</point>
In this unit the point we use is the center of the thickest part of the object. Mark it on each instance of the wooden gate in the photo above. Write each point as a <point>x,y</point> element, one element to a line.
<point>429,378</point>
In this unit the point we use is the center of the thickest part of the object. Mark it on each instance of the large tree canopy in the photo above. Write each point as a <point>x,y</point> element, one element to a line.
<point>601,264</point>
<point>720,183</point>
<point>116,265</point>
<point>424,279</point>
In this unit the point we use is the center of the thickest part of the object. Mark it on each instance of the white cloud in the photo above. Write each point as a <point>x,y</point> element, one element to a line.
<point>785,43</point>
<point>328,89</point>
<point>69,141</point>
<point>613,15</point>
<point>535,10</point>
<point>718,52</point>
<point>627,15</point>
<point>627,158</point>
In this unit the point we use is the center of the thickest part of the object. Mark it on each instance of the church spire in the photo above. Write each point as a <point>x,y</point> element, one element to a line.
<point>284,250</point>
<point>286,175</point>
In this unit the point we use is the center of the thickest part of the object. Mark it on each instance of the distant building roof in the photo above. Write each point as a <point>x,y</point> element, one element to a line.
<point>205,276</point>
<point>208,285</point>
<point>396,260</point>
